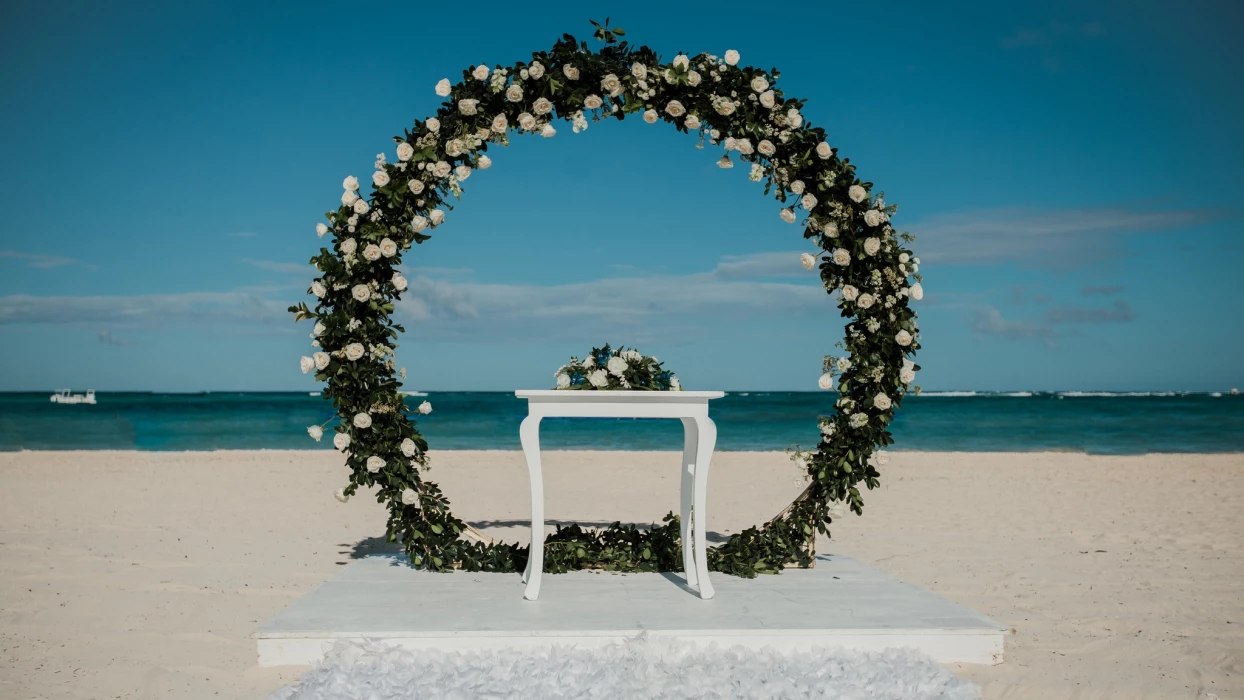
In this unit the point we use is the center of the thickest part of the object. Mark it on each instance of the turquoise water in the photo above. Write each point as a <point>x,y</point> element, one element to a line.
<point>1098,424</point>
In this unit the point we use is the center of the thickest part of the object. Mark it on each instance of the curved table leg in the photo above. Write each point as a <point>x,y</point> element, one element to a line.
<point>529,435</point>
<point>686,491</point>
<point>707,431</point>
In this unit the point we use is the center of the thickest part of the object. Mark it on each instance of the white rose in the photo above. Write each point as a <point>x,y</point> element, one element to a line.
<point>361,292</point>
<point>542,106</point>
<point>759,84</point>
<point>483,163</point>
<point>348,198</point>
<point>882,402</point>
<point>725,162</point>
<point>744,146</point>
<point>514,93</point>
<point>442,88</point>
<point>857,193</point>
<point>399,282</point>
<point>570,72</point>
<point>535,70</point>
<point>416,186</point>
<point>865,301</point>
<point>433,124</point>
<point>500,124</point>
<point>841,257</point>
<point>424,408</point>
<point>548,131</point>
<point>380,178</point>
<point>307,364</point>
<point>766,147</point>
<point>350,184</point>
<point>617,366</point>
<point>321,229</point>
<point>441,169</point>
<point>850,293</point>
<point>794,118</point>
<point>563,381</point>
<point>808,260</point>
<point>354,351</point>
<point>917,292</point>
<point>788,215</point>
<point>437,217</point>
<point>797,187</point>
<point>371,253</point>
<point>823,150</point>
<point>872,217</point>
<point>903,338</point>
<point>340,495</point>
<point>650,116</point>
<point>872,245</point>
<point>526,121</point>
<point>693,122</point>
<point>388,248</point>
<point>903,257</point>
<point>598,378</point>
<point>454,147</point>
<point>374,464</point>
<point>318,289</point>
<point>593,102</point>
<point>682,61</point>
<point>844,364</point>
<point>360,206</point>
<point>675,109</point>
<point>468,107</point>
<point>611,85</point>
<point>348,246</point>
<point>322,359</point>
<point>725,107</point>
<point>409,497</point>
<point>341,441</point>
<point>808,201</point>
<point>693,78</point>
<point>830,229</point>
<point>463,172</point>
<point>418,223</point>
<point>826,381</point>
<point>732,58</point>
<point>408,447</point>
<point>405,151</point>
<point>480,72</point>
<point>907,376</point>
<point>639,70</point>
<point>362,420</point>
<point>768,99</point>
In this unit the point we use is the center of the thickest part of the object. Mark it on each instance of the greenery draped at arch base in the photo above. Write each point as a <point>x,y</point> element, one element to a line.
<point>862,260</point>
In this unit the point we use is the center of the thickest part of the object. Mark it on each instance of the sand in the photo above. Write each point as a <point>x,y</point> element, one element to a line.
<point>142,575</point>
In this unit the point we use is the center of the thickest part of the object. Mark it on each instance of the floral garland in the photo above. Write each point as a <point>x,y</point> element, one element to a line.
<point>861,259</point>
<point>621,369</point>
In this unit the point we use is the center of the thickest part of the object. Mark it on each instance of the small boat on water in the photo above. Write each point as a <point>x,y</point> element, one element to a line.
<point>63,396</point>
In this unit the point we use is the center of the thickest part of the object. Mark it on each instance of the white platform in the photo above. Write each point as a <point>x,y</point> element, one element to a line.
<point>839,603</point>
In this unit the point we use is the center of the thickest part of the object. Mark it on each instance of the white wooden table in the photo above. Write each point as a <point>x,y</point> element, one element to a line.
<point>699,439</point>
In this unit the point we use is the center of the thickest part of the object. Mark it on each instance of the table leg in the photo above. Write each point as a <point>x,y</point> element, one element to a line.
<point>706,442</point>
<point>529,436</point>
<point>686,491</point>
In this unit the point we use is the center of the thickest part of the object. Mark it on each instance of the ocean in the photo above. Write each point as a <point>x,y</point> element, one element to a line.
<point>1091,422</point>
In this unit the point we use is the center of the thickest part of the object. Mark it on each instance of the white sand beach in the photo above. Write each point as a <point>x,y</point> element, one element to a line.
<point>142,575</point>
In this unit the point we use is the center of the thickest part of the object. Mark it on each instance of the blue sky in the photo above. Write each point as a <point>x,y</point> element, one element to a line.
<point>1071,172</point>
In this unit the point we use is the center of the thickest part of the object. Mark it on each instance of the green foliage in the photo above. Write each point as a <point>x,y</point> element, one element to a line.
<point>861,258</point>
<point>621,369</point>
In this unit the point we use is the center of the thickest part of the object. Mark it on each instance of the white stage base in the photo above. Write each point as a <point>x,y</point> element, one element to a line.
<point>839,603</point>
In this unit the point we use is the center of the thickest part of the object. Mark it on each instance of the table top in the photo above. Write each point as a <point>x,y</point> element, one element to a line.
<point>589,396</point>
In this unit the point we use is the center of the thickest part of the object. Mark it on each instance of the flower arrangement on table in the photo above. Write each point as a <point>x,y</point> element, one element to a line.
<point>607,369</point>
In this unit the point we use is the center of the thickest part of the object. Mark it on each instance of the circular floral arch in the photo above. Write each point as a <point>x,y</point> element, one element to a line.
<point>862,260</point>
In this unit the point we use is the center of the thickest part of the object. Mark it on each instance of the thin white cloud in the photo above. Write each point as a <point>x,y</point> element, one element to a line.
<point>1043,238</point>
<point>152,310</point>
<point>39,262</point>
